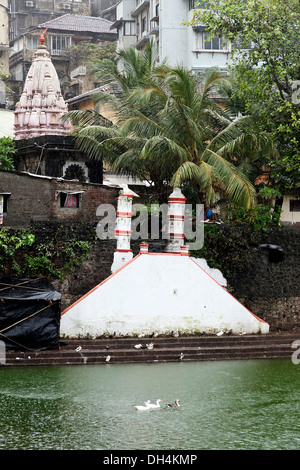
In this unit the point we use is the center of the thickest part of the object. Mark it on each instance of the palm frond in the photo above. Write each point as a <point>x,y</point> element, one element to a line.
<point>235,184</point>
<point>201,175</point>
<point>87,117</point>
<point>162,148</point>
<point>97,141</point>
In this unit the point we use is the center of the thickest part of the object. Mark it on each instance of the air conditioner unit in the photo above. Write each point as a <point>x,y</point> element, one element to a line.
<point>29,3</point>
<point>67,6</point>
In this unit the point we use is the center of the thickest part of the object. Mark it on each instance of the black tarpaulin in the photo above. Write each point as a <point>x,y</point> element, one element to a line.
<point>29,313</point>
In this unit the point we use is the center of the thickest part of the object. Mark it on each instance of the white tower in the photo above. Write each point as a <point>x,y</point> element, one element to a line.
<point>176,213</point>
<point>123,252</point>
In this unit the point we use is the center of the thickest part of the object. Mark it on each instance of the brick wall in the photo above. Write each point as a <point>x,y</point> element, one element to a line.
<point>29,198</point>
<point>39,198</point>
<point>89,199</point>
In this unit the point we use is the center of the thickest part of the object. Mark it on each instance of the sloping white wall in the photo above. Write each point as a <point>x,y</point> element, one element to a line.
<point>159,293</point>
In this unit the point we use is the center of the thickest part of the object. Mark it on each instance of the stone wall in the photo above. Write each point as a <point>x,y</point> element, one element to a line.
<point>271,288</point>
<point>38,198</point>
<point>267,285</point>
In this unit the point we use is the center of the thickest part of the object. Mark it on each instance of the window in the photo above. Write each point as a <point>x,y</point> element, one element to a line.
<point>204,43</point>
<point>144,24</point>
<point>32,43</point>
<point>202,4</point>
<point>294,205</point>
<point>3,205</point>
<point>59,43</point>
<point>69,200</point>
<point>129,28</point>
<point>211,44</point>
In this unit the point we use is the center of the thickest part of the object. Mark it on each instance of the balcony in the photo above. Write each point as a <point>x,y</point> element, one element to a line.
<point>140,7</point>
<point>142,41</point>
<point>154,28</point>
<point>4,47</point>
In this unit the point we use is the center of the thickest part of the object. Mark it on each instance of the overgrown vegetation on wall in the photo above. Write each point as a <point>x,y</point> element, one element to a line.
<point>47,249</point>
<point>229,246</point>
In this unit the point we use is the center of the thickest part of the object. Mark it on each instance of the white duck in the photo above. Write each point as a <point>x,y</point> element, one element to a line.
<point>153,405</point>
<point>143,407</point>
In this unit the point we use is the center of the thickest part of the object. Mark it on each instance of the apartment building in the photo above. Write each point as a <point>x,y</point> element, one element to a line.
<point>137,21</point>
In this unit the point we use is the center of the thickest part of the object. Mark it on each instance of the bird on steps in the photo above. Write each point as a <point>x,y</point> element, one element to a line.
<point>174,405</point>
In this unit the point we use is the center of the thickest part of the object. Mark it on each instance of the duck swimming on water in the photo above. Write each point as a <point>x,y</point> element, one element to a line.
<point>143,408</point>
<point>174,405</point>
<point>152,405</point>
<point>148,405</point>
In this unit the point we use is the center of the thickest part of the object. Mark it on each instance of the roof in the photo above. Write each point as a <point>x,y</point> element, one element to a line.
<point>79,23</point>
<point>88,94</point>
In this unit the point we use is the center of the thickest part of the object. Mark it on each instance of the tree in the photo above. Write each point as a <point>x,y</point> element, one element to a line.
<point>192,139</point>
<point>7,151</point>
<point>87,53</point>
<point>264,35</point>
<point>170,133</point>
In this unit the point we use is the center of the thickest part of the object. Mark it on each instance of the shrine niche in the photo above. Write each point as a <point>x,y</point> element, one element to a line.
<point>75,171</point>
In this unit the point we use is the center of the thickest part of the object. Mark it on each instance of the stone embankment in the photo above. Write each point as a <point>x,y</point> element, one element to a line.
<point>163,349</point>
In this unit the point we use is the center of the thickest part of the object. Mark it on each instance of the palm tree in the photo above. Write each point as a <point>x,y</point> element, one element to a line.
<point>102,139</point>
<point>170,132</point>
<point>191,138</point>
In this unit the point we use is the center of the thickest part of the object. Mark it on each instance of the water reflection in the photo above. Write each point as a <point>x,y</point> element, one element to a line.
<point>224,405</point>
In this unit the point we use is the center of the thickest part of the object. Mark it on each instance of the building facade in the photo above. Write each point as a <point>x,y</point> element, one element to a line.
<point>26,15</point>
<point>4,49</point>
<point>63,32</point>
<point>137,21</point>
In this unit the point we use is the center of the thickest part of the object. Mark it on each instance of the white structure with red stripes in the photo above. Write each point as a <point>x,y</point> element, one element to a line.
<point>158,292</point>
<point>123,231</point>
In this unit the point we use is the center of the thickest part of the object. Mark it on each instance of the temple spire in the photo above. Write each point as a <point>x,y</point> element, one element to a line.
<point>41,105</point>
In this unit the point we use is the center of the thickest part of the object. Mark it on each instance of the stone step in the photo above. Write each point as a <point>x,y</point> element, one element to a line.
<point>52,360</point>
<point>164,350</point>
<point>182,341</point>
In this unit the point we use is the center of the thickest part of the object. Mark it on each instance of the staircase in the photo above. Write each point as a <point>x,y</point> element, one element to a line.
<point>165,349</point>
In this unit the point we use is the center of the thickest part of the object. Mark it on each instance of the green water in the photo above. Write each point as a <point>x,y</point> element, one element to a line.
<point>224,405</point>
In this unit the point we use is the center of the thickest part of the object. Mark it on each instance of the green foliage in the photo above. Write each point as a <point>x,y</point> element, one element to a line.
<point>229,247</point>
<point>74,251</point>
<point>41,265</point>
<point>264,35</point>
<point>10,244</point>
<point>267,194</point>
<point>170,132</point>
<point>7,151</point>
<point>260,217</point>
<point>21,255</point>
<point>87,53</point>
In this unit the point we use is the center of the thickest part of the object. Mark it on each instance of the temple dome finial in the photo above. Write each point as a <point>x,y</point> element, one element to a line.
<point>42,36</point>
